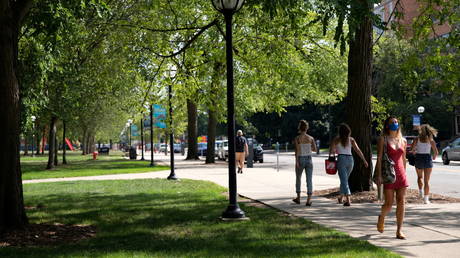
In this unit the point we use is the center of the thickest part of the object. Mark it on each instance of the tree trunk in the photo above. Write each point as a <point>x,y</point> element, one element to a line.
<point>56,149</point>
<point>358,102</point>
<point>12,212</point>
<point>83,142</point>
<point>51,143</point>
<point>43,140</point>
<point>192,130</point>
<point>64,161</point>
<point>37,152</point>
<point>212,124</point>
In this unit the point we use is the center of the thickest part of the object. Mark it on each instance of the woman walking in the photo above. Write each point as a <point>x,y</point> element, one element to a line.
<point>395,146</point>
<point>341,145</point>
<point>304,145</point>
<point>422,147</point>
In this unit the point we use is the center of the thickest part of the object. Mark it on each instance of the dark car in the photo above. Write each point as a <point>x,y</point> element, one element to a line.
<point>410,143</point>
<point>104,150</point>
<point>258,151</point>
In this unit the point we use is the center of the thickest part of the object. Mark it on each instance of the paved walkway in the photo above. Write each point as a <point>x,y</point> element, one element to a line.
<point>432,230</point>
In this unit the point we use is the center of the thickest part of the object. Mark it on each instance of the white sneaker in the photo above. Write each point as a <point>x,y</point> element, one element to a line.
<point>426,200</point>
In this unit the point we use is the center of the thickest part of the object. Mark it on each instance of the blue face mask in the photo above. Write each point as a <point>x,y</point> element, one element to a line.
<point>393,127</point>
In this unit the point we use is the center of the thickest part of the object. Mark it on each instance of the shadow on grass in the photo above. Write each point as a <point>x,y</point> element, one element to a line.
<point>177,219</point>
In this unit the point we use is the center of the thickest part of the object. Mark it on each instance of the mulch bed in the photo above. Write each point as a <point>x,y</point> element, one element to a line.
<point>412,196</point>
<point>47,234</point>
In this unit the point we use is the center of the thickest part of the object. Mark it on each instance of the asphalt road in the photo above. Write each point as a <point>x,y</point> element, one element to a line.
<point>445,179</point>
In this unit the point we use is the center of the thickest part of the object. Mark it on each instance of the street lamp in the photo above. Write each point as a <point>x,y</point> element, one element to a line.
<point>228,8</point>
<point>172,175</point>
<point>152,164</point>
<point>420,110</point>
<point>130,121</point>
<point>33,118</point>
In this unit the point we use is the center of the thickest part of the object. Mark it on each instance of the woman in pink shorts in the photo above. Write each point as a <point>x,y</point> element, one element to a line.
<point>396,151</point>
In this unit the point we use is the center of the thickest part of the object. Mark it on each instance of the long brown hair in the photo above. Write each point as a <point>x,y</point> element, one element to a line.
<point>426,133</point>
<point>344,134</point>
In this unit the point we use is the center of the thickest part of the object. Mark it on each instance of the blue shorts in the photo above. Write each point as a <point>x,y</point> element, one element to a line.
<point>423,161</point>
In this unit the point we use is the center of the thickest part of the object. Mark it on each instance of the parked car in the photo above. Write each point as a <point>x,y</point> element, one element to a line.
<point>257,150</point>
<point>202,148</point>
<point>177,147</point>
<point>222,151</point>
<point>410,143</point>
<point>451,152</point>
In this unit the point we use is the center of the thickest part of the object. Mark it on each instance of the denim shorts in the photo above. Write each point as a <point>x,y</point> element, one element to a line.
<point>423,161</point>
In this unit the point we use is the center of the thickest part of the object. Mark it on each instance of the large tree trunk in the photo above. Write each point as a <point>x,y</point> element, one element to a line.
<point>358,102</point>
<point>192,130</point>
<point>12,212</point>
<point>51,143</point>
<point>64,161</point>
<point>43,141</point>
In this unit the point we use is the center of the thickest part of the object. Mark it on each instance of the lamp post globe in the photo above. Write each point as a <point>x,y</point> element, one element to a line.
<point>33,118</point>
<point>421,109</point>
<point>228,8</point>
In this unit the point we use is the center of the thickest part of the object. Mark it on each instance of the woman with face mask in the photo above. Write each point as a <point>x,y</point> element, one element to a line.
<point>396,151</point>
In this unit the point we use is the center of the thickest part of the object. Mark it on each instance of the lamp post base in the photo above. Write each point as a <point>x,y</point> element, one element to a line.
<point>233,212</point>
<point>172,177</point>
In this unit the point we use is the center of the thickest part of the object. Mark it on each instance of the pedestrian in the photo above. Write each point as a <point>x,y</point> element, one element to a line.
<point>422,147</point>
<point>241,150</point>
<point>304,145</point>
<point>341,145</point>
<point>395,146</point>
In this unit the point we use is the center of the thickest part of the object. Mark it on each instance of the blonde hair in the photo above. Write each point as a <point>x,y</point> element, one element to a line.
<point>303,126</point>
<point>426,133</point>
<point>239,133</point>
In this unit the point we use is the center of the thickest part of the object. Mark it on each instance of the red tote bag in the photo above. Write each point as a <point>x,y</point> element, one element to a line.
<point>331,165</point>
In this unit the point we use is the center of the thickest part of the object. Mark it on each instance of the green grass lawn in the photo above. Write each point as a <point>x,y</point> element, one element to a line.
<point>84,165</point>
<point>161,218</point>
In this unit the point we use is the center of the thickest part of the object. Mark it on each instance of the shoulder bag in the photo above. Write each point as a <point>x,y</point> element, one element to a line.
<point>388,167</point>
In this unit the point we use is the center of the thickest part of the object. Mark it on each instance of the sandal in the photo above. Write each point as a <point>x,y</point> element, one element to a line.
<point>381,224</point>
<point>296,200</point>
<point>346,204</point>
<point>339,200</point>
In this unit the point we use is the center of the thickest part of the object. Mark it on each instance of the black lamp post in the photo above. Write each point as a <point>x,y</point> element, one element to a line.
<point>130,121</point>
<point>420,110</point>
<point>152,164</point>
<point>33,118</point>
<point>142,136</point>
<point>172,175</point>
<point>228,8</point>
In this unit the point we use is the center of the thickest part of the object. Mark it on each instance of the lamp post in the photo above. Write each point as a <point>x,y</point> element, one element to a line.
<point>420,110</point>
<point>172,175</point>
<point>130,121</point>
<point>33,118</point>
<point>152,164</point>
<point>228,8</point>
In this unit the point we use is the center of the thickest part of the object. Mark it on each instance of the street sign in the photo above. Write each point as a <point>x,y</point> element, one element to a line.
<point>134,130</point>
<point>416,120</point>
<point>159,116</point>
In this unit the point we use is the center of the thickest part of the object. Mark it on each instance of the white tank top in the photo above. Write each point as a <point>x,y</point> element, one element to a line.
<point>423,147</point>
<point>305,149</point>
<point>343,150</point>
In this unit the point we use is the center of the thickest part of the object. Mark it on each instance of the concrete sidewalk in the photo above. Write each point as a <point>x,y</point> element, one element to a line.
<point>432,230</point>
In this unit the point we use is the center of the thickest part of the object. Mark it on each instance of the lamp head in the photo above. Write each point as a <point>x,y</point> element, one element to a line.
<point>33,118</point>
<point>227,6</point>
<point>130,121</point>
<point>421,109</point>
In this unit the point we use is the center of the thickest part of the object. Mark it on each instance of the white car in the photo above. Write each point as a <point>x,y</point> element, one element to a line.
<point>222,150</point>
<point>451,152</point>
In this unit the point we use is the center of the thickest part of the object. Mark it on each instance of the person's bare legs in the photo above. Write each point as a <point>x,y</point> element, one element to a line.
<point>386,208</point>
<point>420,181</point>
<point>240,161</point>
<point>426,181</point>
<point>400,210</point>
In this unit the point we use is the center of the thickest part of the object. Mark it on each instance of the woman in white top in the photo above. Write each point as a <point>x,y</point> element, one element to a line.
<point>304,145</point>
<point>422,147</point>
<point>341,145</point>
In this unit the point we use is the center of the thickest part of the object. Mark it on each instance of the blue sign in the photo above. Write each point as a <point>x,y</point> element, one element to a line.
<point>134,130</point>
<point>159,116</point>
<point>416,120</point>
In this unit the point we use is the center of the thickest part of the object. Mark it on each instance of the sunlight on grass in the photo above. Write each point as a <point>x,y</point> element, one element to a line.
<point>161,218</point>
<point>84,165</point>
